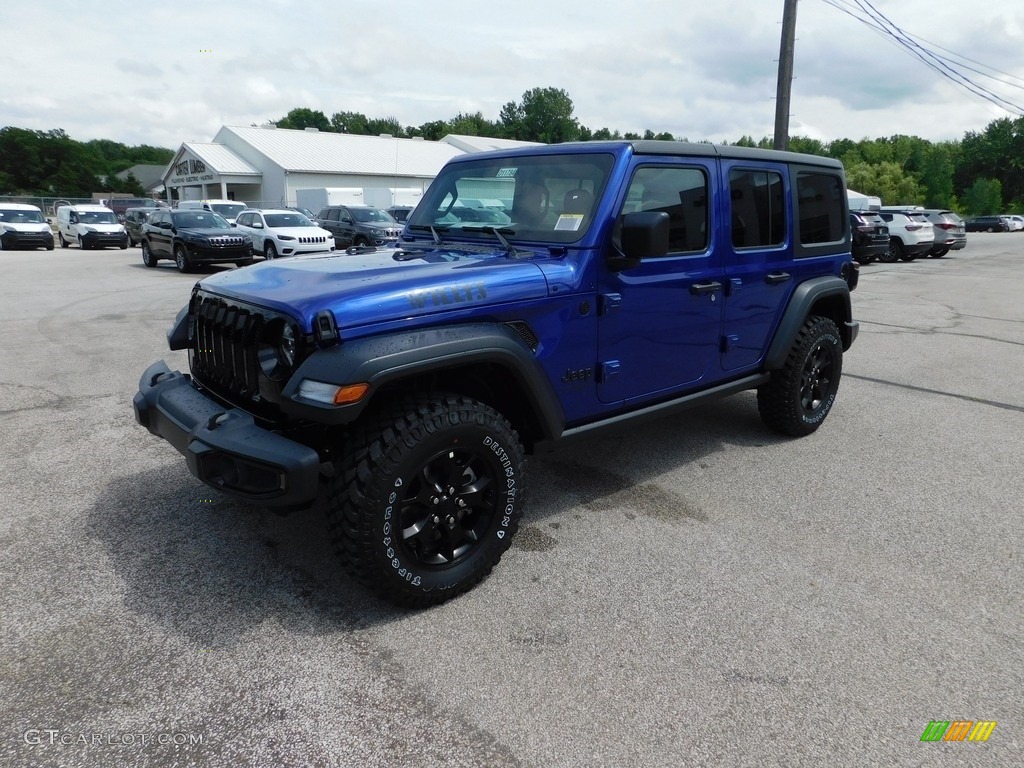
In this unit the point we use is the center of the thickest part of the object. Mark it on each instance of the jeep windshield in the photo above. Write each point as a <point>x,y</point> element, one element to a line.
<point>200,220</point>
<point>551,198</point>
<point>372,215</point>
<point>288,220</point>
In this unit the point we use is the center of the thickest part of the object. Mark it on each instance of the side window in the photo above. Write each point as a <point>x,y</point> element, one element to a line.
<point>332,214</point>
<point>820,208</point>
<point>682,193</point>
<point>757,205</point>
<point>243,220</point>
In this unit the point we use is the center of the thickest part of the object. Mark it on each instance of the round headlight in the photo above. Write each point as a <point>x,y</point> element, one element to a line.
<point>277,349</point>
<point>287,346</point>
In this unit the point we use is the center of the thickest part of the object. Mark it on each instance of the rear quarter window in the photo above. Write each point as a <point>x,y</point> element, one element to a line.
<point>821,210</point>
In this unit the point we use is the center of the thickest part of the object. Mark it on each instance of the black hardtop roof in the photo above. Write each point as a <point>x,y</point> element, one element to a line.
<point>673,148</point>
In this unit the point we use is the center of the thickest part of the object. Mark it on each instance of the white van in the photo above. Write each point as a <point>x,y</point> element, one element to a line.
<point>23,226</point>
<point>91,226</point>
<point>229,209</point>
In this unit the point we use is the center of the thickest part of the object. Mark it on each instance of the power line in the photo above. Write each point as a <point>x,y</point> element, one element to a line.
<point>867,14</point>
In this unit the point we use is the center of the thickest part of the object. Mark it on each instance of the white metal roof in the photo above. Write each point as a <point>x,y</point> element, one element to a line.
<point>324,152</point>
<point>485,143</point>
<point>218,157</point>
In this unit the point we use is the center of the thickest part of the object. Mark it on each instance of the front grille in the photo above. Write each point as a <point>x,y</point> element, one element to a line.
<point>227,241</point>
<point>313,240</point>
<point>224,346</point>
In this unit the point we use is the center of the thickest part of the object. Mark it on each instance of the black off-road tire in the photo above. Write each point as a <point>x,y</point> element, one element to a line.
<point>800,394</point>
<point>939,253</point>
<point>63,243</point>
<point>427,498</point>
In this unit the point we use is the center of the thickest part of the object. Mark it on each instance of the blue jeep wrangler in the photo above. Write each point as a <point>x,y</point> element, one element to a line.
<point>609,281</point>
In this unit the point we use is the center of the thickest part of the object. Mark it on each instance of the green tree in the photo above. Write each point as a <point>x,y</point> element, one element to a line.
<point>432,131</point>
<point>545,114</point>
<point>350,122</point>
<point>388,125</point>
<point>996,153</point>
<point>303,117</point>
<point>937,176</point>
<point>885,180</point>
<point>511,121</point>
<point>473,125</point>
<point>984,197</point>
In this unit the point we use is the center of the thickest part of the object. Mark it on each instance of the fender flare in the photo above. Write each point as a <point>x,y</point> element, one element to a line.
<point>799,307</point>
<point>388,358</point>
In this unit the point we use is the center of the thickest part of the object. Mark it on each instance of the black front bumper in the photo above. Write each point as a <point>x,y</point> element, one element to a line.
<point>224,447</point>
<point>104,239</point>
<point>12,240</point>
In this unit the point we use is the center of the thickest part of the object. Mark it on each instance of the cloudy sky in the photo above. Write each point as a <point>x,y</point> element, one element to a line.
<point>160,73</point>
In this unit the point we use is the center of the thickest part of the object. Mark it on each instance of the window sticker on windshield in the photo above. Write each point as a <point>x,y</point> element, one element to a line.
<point>505,173</point>
<point>569,222</point>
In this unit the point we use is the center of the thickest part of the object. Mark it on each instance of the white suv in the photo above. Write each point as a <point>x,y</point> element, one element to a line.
<point>911,234</point>
<point>282,232</point>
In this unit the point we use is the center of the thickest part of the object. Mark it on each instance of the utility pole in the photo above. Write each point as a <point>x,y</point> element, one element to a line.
<point>785,83</point>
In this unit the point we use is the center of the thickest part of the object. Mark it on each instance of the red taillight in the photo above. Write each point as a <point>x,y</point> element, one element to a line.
<point>945,225</point>
<point>912,227</point>
<point>866,228</point>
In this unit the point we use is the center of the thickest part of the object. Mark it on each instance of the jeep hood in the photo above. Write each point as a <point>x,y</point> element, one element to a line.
<point>385,285</point>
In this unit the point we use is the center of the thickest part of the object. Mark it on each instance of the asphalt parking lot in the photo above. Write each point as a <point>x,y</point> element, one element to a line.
<point>696,592</point>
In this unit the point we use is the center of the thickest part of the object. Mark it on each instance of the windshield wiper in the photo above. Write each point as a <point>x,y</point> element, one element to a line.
<point>499,233</point>
<point>431,229</point>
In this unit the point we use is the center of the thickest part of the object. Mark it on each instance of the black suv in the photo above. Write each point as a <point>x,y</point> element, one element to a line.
<point>359,225</point>
<point>986,224</point>
<point>134,218</point>
<point>193,237</point>
<point>870,236</point>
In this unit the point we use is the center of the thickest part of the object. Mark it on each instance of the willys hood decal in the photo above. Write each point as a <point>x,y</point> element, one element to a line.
<point>382,285</point>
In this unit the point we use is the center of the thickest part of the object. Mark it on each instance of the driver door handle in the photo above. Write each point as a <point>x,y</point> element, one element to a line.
<point>700,289</point>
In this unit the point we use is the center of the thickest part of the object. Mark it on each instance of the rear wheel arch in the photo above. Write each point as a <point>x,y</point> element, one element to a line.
<point>825,297</point>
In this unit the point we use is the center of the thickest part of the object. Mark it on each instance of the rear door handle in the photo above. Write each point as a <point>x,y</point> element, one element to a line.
<point>774,278</point>
<point>700,289</point>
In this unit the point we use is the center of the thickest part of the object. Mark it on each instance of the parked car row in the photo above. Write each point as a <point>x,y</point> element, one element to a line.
<point>905,233</point>
<point>1001,223</point>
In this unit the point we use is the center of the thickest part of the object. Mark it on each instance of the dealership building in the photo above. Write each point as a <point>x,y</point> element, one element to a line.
<point>265,165</point>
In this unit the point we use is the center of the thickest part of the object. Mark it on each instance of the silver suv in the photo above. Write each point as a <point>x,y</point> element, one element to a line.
<point>949,229</point>
<point>911,234</point>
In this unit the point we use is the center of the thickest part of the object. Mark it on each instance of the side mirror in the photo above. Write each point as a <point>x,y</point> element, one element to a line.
<point>257,225</point>
<point>644,234</point>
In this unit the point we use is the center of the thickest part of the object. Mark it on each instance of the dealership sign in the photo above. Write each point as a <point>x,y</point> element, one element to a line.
<point>189,170</point>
